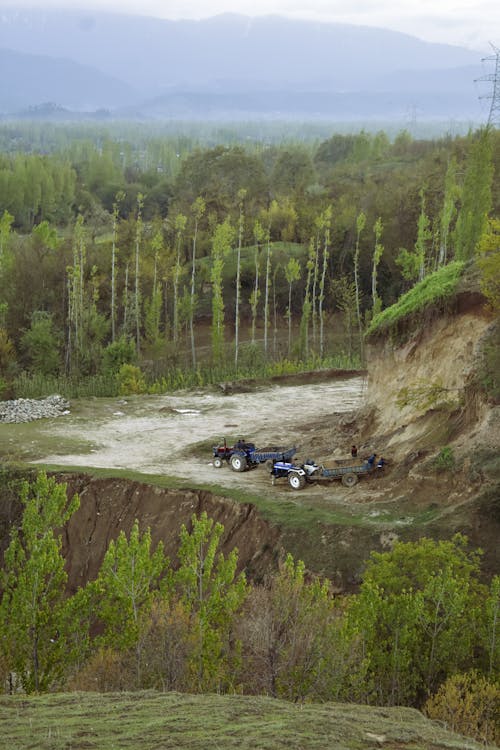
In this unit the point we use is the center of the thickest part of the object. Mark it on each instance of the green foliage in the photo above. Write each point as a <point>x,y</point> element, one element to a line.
<point>291,643</point>
<point>129,579</point>
<point>416,614</point>
<point>468,704</point>
<point>434,290</point>
<point>130,379</point>
<point>476,195</point>
<point>41,344</point>
<point>36,634</point>
<point>488,260</point>
<point>212,593</point>
<point>221,245</point>
<point>445,460</point>
<point>424,395</point>
<point>118,353</point>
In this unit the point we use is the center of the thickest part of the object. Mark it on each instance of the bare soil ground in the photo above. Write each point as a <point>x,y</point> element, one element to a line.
<point>173,434</point>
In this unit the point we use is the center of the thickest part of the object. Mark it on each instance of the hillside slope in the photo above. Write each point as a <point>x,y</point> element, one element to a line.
<point>146,720</point>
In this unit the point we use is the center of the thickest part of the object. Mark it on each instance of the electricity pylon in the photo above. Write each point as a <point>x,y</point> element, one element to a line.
<point>494,116</point>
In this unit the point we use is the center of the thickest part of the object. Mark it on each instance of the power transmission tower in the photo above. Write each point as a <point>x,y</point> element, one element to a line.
<point>494,116</point>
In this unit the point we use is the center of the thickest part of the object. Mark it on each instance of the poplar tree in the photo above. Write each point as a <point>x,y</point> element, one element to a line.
<point>266,293</point>
<point>129,580</point>
<point>448,211</point>
<point>326,220</point>
<point>212,593</point>
<point>241,225</point>
<point>114,251</point>
<point>137,287</point>
<point>476,196</point>
<point>35,632</point>
<point>5,229</point>
<point>154,305</point>
<point>360,225</point>
<point>292,273</point>
<point>307,304</point>
<point>377,254</point>
<point>75,285</point>
<point>221,245</point>
<point>197,209</point>
<point>180,226</point>
<point>259,234</point>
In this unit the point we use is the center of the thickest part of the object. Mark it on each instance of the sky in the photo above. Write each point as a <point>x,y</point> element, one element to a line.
<point>468,23</point>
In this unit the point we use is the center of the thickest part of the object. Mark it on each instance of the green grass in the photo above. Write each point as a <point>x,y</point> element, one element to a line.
<point>434,290</point>
<point>147,720</point>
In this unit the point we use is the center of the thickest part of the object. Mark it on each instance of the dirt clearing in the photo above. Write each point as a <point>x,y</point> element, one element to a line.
<point>173,434</point>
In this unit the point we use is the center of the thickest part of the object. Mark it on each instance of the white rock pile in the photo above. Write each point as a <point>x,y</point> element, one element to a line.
<point>29,409</point>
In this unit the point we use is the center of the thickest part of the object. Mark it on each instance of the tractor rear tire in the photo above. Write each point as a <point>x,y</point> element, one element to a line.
<point>238,463</point>
<point>218,462</point>
<point>350,479</point>
<point>296,481</point>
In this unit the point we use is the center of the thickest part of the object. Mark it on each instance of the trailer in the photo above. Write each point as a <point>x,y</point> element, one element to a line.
<point>243,456</point>
<point>298,476</point>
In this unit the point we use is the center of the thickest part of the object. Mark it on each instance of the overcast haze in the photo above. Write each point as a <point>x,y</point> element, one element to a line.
<point>469,23</point>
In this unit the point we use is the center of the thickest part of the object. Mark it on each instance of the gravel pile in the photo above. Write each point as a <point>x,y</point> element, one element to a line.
<point>28,409</point>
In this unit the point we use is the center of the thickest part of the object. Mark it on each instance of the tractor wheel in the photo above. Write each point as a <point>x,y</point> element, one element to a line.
<point>238,463</point>
<point>218,462</point>
<point>349,480</point>
<point>296,481</point>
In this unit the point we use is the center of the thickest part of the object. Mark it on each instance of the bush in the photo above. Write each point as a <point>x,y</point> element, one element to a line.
<point>130,380</point>
<point>445,460</point>
<point>118,353</point>
<point>470,705</point>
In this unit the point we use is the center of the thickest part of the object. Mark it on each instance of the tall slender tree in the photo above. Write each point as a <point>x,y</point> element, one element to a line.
<point>292,273</point>
<point>139,228</point>
<point>378,250</point>
<point>259,235</point>
<point>221,245</point>
<point>33,638</point>
<point>241,226</point>
<point>114,251</point>
<point>197,210</point>
<point>476,195</point>
<point>360,225</point>
<point>180,226</point>
<point>326,227</point>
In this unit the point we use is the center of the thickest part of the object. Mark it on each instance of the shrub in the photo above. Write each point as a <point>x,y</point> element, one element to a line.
<point>470,705</point>
<point>130,380</point>
<point>119,352</point>
<point>445,460</point>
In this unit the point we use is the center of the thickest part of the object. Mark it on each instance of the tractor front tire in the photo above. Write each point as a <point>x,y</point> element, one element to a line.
<point>349,480</point>
<point>238,463</point>
<point>218,462</point>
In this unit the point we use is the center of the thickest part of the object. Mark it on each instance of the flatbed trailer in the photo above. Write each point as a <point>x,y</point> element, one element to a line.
<point>298,476</point>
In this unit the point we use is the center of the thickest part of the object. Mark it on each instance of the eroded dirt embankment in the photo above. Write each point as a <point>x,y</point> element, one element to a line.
<point>109,506</point>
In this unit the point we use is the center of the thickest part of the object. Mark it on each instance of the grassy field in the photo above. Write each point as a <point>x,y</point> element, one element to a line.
<point>147,720</point>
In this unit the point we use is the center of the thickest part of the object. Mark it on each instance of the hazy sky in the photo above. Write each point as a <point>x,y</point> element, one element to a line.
<point>470,23</point>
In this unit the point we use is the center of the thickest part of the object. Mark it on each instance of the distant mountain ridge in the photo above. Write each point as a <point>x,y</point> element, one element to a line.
<point>92,59</point>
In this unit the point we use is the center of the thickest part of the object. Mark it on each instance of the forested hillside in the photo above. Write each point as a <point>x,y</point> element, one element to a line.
<point>166,255</point>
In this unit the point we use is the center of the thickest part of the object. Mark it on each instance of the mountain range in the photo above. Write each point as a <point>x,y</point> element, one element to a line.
<point>228,67</point>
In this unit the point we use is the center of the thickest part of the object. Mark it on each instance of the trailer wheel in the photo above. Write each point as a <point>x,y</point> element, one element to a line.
<point>238,463</point>
<point>218,462</point>
<point>350,479</point>
<point>296,481</point>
